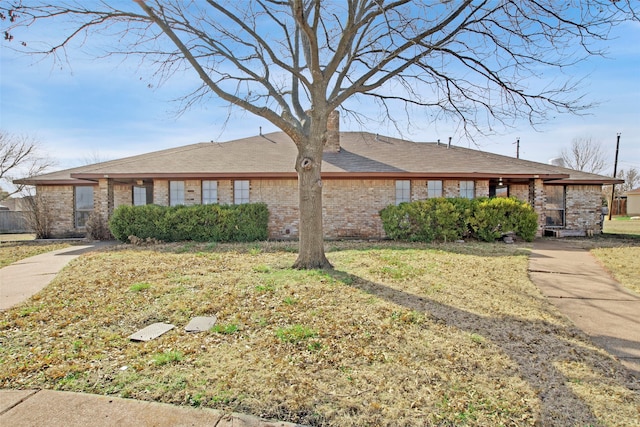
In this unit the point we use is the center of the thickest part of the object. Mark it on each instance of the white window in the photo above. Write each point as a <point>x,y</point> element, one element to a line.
<point>240,192</point>
<point>209,192</point>
<point>467,189</point>
<point>83,205</point>
<point>403,191</point>
<point>139,196</point>
<point>434,189</point>
<point>176,193</point>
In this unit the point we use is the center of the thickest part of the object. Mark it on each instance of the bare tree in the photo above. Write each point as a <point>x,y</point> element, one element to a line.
<point>631,178</point>
<point>585,155</point>
<point>39,215</point>
<point>293,62</point>
<point>19,158</point>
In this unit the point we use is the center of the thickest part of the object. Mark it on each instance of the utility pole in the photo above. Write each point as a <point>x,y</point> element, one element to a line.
<point>517,147</point>
<point>615,172</point>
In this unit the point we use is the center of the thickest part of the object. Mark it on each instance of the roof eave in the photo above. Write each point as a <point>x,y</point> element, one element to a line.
<point>57,181</point>
<point>585,181</point>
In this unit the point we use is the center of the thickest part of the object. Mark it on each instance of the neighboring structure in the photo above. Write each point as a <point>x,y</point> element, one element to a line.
<point>633,202</point>
<point>14,216</point>
<point>362,173</point>
<point>17,203</point>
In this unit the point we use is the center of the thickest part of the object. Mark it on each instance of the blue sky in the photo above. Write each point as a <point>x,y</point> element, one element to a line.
<point>103,109</point>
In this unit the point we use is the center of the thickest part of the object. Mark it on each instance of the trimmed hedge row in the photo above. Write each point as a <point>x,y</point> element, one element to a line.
<point>446,219</point>
<point>202,223</point>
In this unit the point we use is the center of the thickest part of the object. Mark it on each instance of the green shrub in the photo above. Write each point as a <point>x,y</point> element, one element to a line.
<point>448,221</point>
<point>526,221</point>
<point>488,220</point>
<point>395,222</point>
<point>465,209</point>
<point>220,223</point>
<point>425,220</point>
<point>443,219</point>
<point>497,216</point>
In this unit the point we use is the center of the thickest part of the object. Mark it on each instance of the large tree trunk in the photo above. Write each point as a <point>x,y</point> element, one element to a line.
<point>308,164</point>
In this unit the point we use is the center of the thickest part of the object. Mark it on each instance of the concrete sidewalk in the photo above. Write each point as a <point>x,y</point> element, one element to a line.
<point>581,289</point>
<point>31,408</point>
<point>19,408</point>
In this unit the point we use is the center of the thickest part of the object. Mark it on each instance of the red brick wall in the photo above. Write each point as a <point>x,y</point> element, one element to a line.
<point>122,195</point>
<point>583,208</point>
<point>352,207</point>
<point>519,191</point>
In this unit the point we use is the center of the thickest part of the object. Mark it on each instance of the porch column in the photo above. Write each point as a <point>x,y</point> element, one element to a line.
<point>537,200</point>
<point>105,203</point>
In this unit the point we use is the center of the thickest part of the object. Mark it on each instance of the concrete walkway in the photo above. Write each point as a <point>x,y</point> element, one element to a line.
<point>581,289</point>
<point>26,277</point>
<point>30,408</point>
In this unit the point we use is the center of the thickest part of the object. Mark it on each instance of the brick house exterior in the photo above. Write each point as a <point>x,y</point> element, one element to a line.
<point>362,174</point>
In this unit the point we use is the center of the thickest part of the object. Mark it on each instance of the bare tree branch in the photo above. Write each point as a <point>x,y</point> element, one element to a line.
<point>586,155</point>
<point>19,158</point>
<point>631,178</point>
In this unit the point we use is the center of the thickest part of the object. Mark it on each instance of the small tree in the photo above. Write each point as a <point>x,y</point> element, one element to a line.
<point>585,155</point>
<point>97,227</point>
<point>38,216</point>
<point>19,158</point>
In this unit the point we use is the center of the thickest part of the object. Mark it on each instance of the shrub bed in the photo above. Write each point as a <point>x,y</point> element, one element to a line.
<point>203,223</point>
<point>447,219</point>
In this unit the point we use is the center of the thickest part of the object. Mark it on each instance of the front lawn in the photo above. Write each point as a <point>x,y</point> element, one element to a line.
<point>622,225</point>
<point>396,335</point>
<point>622,262</point>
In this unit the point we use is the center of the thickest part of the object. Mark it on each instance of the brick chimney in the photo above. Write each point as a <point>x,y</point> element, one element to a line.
<point>333,133</point>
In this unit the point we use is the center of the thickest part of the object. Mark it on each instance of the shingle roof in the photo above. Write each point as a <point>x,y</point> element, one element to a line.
<point>361,155</point>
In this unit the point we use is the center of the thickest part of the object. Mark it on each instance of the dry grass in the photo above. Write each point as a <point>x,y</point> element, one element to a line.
<point>622,225</point>
<point>11,252</point>
<point>622,262</point>
<point>395,335</point>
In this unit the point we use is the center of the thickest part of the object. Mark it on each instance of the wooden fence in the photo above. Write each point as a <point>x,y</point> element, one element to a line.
<point>619,206</point>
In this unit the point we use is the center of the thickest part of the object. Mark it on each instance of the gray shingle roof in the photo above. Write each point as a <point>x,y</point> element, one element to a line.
<point>362,155</point>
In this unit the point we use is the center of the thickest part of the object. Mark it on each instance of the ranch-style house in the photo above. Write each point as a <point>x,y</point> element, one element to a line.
<point>361,174</point>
